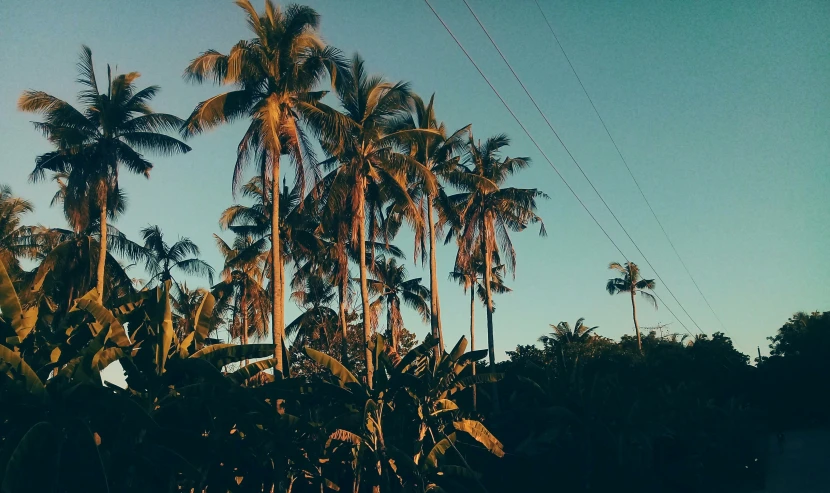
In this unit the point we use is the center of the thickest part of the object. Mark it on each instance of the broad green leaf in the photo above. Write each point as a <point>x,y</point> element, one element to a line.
<point>33,466</point>
<point>203,317</point>
<point>458,350</point>
<point>429,342</point>
<point>19,370</point>
<point>11,312</point>
<point>472,356</point>
<point>130,302</point>
<point>166,334</point>
<point>345,436</point>
<point>105,357</point>
<point>105,319</point>
<point>439,450</point>
<point>465,382</point>
<point>481,434</point>
<point>444,405</point>
<point>184,345</point>
<point>83,368</point>
<point>243,374</point>
<point>220,355</point>
<point>334,366</point>
<point>195,367</point>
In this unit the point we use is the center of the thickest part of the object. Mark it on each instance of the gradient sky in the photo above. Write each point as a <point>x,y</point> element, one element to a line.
<point>721,108</point>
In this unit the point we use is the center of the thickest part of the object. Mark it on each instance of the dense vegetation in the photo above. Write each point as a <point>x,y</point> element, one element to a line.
<point>344,398</point>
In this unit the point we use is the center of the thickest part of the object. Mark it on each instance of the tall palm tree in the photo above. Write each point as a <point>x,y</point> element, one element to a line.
<point>161,259</point>
<point>364,143</point>
<point>274,77</point>
<point>241,293</point>
<point>391,286</point>
<point>484,212</point>
<point>631,283</point>
<point>437,155</point>
<point>16,240</point>
<point>93,143</point>
<point>472,277</point>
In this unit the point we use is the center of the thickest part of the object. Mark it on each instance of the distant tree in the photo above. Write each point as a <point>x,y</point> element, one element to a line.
<point>241,294</point>
<point>16,240</point>
<point>631,283</point>
<point>162,259</point>
<point>392,288</point>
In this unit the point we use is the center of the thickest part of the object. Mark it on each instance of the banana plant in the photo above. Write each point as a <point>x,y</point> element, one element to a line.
<point>419,388</point>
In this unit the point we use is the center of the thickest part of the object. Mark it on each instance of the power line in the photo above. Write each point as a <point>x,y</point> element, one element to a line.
<point>555,133</point>
<point>536,144</point>
<point>627,167</point>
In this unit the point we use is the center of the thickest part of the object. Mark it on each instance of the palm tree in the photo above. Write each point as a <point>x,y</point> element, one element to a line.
<point>372,170</point>
<point>391,286</point>
<point>92,144</point>
<point>484,212</point>
<point>569,340</point>
<point>16,240</point>
<point>318,322</point>
<point>631,283</point>
<point>274,76</point>
<point>161,259</point>
<point>68,260</point>
<point>241,292</point>
<point>563,334</point>
<point>472,277</point>
<point>436,155</point>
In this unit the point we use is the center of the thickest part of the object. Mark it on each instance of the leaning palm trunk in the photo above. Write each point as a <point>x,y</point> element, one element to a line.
<point>490,336</point>
<point>435,312</point>
<point>473,338</point>
<point>276,266</point>
<point>636,325</point>
<point>364,286</point>
<point>102,254</point>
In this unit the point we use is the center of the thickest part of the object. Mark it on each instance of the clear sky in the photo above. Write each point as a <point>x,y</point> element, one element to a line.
<point>721,108</point>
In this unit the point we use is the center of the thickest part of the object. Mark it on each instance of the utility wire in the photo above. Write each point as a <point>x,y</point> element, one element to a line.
<point>627,167</point>
<point>555,133</point>
<point>536,144</point>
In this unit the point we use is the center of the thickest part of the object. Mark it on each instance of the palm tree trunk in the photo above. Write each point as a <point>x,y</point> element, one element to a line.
<point>281,305</point>
<point>364,287</point>
<point>276,262</point>
<point>473,338</point>
<point>390,326</point>
<point>636,325</point>
<point>491,345</point>
<point>435,313</point>
<point>344,343</point>
<point>102,253</point>
<point>244,303</point>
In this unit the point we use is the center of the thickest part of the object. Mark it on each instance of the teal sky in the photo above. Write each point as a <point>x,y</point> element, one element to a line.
<point>721,108</point>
